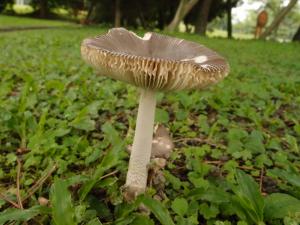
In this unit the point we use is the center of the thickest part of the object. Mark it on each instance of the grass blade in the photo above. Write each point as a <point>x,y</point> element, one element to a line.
<point>13,214</point>
<point>63,212</point>
<point>158,209</point>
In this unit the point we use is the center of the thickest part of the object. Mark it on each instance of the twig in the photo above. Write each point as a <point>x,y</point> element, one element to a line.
<point>109,174</point>
<point>12,223</point>
<point>201,141</point>
<point>215,162</point>
<point>8,200</point>
<point>18,184</point>
<point>39,183</point>
<point>190,139</point>
<point>219,162</point>
<point>246,167</point>
<point>37,221</point>
<point>261,179</point>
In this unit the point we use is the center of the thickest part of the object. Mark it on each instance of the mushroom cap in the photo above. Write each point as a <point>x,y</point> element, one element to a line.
<point>156,61</point>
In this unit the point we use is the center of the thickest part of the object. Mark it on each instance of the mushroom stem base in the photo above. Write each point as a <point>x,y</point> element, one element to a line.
<point>137,174</point>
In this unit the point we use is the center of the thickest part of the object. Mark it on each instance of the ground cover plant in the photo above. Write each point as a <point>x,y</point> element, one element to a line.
<point>64,131</point>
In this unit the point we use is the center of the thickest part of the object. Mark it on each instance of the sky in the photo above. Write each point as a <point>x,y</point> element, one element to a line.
<point>240,13</point>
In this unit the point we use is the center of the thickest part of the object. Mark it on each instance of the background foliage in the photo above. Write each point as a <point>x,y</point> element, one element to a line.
<point>158,14</point>
<point>67,124</point>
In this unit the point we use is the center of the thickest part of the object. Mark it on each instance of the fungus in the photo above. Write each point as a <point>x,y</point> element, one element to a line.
<point>154,63</point>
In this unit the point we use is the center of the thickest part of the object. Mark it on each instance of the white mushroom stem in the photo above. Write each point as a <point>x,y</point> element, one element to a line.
<point>137,174</point>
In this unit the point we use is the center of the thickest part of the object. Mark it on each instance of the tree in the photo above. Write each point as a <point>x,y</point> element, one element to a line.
<point>4,3</point>
<point>118,13</point>
<point>278,19</point>
<point>148,14</point>
<point>202,18</point>
<point>183,9</point>
<point>91,7</point>
<point>229,22</point>
<point>217,8</point>
<point>75,5</point>
<point>297,35</point>
<point>43,8</point>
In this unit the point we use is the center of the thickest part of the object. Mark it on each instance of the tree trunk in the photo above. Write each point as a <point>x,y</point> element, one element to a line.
<point>297,35</point>
<point>161,20</point>
<point>90,10</point>
<point>278,19</point>
<point>161,15</point>
<point>183,9</point>
<point>118,13</point>
<point>202,17</point>
<point>229,23</point>
<point>43,9</point>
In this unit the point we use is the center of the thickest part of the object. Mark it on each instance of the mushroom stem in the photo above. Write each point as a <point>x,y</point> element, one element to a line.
<point>137,174</point>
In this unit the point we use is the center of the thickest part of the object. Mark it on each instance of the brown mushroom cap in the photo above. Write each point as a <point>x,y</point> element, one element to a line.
<point>155,61</point>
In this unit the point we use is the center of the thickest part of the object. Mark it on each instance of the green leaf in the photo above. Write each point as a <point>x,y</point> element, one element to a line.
<point>198,182</point>
<point>141,219</point>
<point>242,223</point>
<point>211,194</point>
<point>158,209</point>
<point>80,212</point>
<point>110,160</point>
<point>244,209</point>
<point>236,134</point>
<point>23,97</point>
<point>59,132</point>
<point>279,205</point>
<point>93,107</point>
<point>95,221</point>
<point>63,212</point>
<point>125,221</point>
<point>249,197</point>
<point>293,143</point>
<point>124,210</point>
<point>288,176</point>
<point>13,214</point>
<point>203,124</point>
<point>235,146</point>
<point>254,142</point>
<point>173,180</point>
<point>235,137</point>
<point>180,206</point>
<point>274,143</point>
<point>297,129</point>
<point>184,98</point>
<point>161,116</point>
<point>208,211</point>
<point>83,123</point>
<point>181,114</point>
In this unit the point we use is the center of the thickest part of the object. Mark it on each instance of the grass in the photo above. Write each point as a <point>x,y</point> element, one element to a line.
<point>223,34</point>
<point>17,22</point>
<point>70,126</point>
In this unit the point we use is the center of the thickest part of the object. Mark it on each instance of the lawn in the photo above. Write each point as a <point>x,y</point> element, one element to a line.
<point>236,157</point>
<point>21,22</point>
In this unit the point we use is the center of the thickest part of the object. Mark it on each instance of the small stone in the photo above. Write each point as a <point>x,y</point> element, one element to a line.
<point>43,201</point>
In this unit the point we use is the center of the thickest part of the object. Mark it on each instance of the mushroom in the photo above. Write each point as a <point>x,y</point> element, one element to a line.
<point>162,143</point>
<point>154,63</point>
